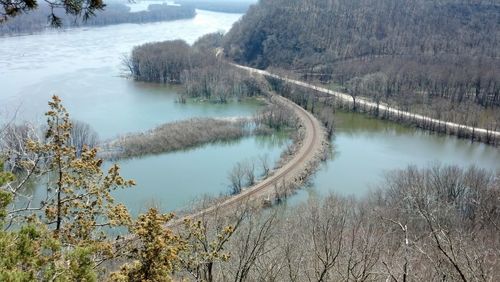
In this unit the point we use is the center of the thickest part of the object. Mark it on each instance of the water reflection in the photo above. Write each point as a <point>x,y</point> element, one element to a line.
<point>365,148</point>
<point>83,66</point>
<point>171,181</point>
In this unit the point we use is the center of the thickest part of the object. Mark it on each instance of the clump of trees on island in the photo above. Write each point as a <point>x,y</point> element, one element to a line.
<point>197,68</point>
<point>178,135</point>
<point>438,58</point>
<point>190,133</point>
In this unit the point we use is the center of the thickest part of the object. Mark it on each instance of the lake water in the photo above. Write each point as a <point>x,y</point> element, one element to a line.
<point>83,66</point>
<point>173,181</point>
<point>364,149</point>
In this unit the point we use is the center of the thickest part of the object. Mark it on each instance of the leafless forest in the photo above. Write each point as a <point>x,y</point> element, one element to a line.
<point>434,224</point>
<point>197,68</point>
<point>440,222</point>
<point>439,58</point>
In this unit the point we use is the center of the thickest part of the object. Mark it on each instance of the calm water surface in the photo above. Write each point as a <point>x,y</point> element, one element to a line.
<point>173,181</point>
<point>364,149</point>
<point>83,66</point>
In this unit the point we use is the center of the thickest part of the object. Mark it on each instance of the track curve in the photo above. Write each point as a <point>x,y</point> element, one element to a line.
<point>312,144</point>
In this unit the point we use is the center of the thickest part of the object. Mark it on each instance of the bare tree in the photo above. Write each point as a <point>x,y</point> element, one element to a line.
<point>264,164</point>
<point>14,138</point>
<point>82,135</point>
<point>251,242</point>
<point>354,90</point>
<point>249,170</point>
<point>236,177</point>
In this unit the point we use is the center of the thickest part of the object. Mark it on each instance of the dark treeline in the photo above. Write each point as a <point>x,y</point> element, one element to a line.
<point>225,6</point>
<point>114,13</point>
<point>434,224</point>
<point>430,56</point>
<point>197,68</point>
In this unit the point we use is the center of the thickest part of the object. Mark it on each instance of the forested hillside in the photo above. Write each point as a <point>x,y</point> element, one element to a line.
<point>408,53</point>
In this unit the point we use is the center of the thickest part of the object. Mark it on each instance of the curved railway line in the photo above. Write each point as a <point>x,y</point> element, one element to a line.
<point>312,144</point>
<point>303,160</point>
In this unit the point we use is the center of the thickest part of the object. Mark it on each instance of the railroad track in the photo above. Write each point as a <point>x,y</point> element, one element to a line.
<point>312,144</point>
<point>364,102</point>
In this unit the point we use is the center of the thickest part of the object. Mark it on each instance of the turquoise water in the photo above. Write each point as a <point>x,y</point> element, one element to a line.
<point>364,149</point>
<point>83,66</point>
<point>173,181</point>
